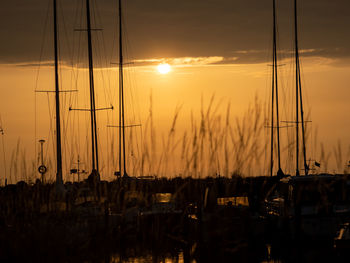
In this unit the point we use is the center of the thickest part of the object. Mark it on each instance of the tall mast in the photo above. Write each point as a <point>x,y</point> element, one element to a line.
<point>296,88</point>
<point>275,89</point>
<point>298,96</point>
<point>59,180</point>
<point>121,98</point>
<point>94,149</point>
<point>306,167</point>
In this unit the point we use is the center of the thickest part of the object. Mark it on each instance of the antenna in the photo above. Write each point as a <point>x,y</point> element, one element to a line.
<point>77,171</point>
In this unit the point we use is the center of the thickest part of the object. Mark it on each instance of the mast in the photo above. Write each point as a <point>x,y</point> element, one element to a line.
<point>121,98</point>
<point>94,146</point>
<point>296,88</point>
<point>59,180</point>
<point>275,89</point>
<point>298,96</point>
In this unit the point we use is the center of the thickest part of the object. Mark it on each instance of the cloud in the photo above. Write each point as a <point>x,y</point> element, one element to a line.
<point>182,61</point>
<point>36,64</point>
<point>335,57</point>
<point>238,31</point>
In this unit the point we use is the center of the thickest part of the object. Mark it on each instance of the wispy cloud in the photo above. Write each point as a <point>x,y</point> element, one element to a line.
<point>181,61</point>
<point>253,56</point>
<point>35,64</point>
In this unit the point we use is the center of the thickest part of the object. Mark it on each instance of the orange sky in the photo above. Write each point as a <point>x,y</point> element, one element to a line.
<point>325,86</point>
<point>226,56</point>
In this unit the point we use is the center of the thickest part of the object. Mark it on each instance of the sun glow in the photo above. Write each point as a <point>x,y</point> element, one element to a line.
<point>164,68</point>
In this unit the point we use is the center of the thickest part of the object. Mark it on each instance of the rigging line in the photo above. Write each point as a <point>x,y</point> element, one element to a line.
<point>298,86</point>
<point>66,147</point>
<point>285,107</point>
<point>302,125</point>
<point>77,23</point>
<point>268,109</point>
<point>295,122</point>
<point>289,110</point>
<point>70,54</point>
<point>102,70</point>
<point>104,77</point>
<point>75,69</point>
<point>141,154</point>
<point>106,63</point>
<point>133,94</point>
<point>49,91</point>
<point>65,123</point>
<point>3,148</point>
<point>101,42</point>
<point>51,134</point>
<point>65,30</point>
<point>114,49</point>
<point>131,164</point>
<point>81,55</point>
<point>99,109</point>
<point>121,94</point>
<point>297,76</point>
<point>133,99</point>
<point>126,126</point>
<point>268,99</point>
<point>276,86</point>
<point>37,73</point>
<point>35,127</point>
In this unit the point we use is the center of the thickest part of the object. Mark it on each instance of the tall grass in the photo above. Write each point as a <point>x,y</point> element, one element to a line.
<point>214,142</point>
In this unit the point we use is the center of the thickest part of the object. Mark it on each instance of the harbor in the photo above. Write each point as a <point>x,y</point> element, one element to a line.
<point>215,157</point>
<point>220,219</point>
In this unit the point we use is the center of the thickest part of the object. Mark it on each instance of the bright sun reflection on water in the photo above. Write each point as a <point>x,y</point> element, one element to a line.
<point>164,68</point>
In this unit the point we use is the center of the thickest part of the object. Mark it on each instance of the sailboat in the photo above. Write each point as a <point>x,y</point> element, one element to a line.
<point>95,174</point>
<point>59,179</point>
<point>122,171</point>
<point>310,205</point>
<point>121,98</point>
<point>94,135</point>
<point>273,98</point>
<point>298,98</point>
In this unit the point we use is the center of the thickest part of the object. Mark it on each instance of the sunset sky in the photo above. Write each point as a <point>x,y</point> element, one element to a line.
<point>220,48</point>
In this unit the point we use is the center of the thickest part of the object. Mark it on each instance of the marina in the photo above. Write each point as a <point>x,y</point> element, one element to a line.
<point>221,185</point>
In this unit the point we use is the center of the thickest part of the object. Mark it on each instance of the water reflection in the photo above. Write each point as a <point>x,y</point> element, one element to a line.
<point>273,253</point>
<point>179,258</point>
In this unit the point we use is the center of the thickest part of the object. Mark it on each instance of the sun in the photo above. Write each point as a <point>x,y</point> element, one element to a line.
<point>164,68</point>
